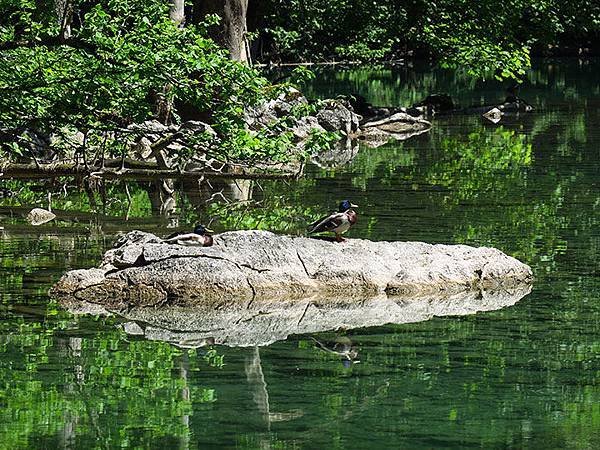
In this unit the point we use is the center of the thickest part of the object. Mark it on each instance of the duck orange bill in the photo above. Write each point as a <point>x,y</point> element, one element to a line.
<point>208,230</point>
<point>352,205</point>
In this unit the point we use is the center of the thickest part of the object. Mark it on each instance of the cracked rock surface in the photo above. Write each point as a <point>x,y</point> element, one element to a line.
<point>247,266</point>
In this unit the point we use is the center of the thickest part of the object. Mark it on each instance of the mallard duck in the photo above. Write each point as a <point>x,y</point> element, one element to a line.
<point>338,222</point>
<point>197,238</point>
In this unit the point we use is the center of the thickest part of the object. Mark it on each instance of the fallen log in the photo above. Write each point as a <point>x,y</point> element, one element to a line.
<point>33,171</point>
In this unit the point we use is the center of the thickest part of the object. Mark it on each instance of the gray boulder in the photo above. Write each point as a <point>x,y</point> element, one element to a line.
<point>304,126</point>
<point>400,122</point>
<point>258,265</point>
<point>266,113</point>
<point>493,115</point>
<point>337,115</point>
<point>171,140</point>
<point>153,130</point>
<point>396,127</point>
<point>333,115</point>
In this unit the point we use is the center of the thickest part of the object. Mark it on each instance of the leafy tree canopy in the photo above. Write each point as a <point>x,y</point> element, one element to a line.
<point>475,35</point>
<point>95,67</point>
<point>99,66</point>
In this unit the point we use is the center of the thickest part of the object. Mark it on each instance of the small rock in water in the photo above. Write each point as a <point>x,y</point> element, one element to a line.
<point>493,115</point>
<point>39,216</point>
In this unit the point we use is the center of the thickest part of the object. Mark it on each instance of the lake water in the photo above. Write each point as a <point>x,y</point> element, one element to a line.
<point>526,376</point>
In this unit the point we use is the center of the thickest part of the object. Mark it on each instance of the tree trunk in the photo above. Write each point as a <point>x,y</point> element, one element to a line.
<point>231,33</point>
<point>64,15</point>
<point>177,12</point>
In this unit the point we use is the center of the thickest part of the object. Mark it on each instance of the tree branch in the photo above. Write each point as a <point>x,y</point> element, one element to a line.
<point>59,170</point>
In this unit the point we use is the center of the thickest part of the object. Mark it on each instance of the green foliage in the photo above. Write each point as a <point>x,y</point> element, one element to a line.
<point>101,373</point>
<point>318,140</point>
<point>124,62</point>
<point>115,388</point>
<point>360,51</point>
<point>317,29</point>
<point>301,75</point>
<point>68,196</point>
<point>470,166</point>
<point>474,35</point>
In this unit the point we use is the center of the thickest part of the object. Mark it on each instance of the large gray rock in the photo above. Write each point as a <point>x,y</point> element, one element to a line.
<point>336,115</point>
<point>267,113</point>
<point>191,134</point>
<point>258,265</point>
<point>332,115</point>
<point>304,126</point>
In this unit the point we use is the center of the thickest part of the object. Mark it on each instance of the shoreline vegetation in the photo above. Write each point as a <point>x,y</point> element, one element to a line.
<point>165,92</point>
<point>176,83</point>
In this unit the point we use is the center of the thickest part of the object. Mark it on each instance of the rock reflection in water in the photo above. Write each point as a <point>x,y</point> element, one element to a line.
<point>261,323</point>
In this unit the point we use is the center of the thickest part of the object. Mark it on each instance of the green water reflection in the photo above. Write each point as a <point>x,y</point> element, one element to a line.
<point>526,376</point>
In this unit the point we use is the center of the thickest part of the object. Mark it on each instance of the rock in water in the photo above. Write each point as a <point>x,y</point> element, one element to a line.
<point>399,123</point>
<point>39,216</point>
<point>493,115</point>
<point>398,126</point>
<point>336,116</point>
<point>259,265</point>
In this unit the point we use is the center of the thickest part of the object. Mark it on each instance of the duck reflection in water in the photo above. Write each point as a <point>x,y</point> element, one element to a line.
<point>341,346</point>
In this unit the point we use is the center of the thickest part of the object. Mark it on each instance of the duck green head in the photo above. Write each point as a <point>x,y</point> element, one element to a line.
<point>345,205</point>
<point>202,230</point>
